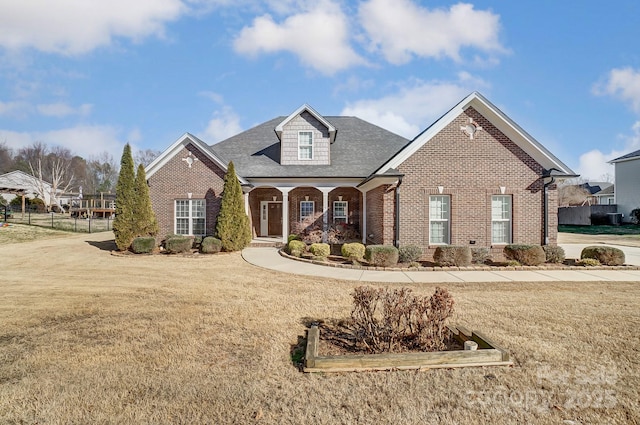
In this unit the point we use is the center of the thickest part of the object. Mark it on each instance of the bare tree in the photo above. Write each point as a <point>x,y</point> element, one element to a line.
<point>145,157</point>
<point>572,194</point>
<point>49,166</point>
<point>102,174</point>
<point>6,158</point>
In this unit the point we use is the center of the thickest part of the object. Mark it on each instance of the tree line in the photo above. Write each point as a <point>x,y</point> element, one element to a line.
<point>66,171</point>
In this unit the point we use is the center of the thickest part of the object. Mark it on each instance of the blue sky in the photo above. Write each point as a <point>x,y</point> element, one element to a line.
<point>93,75</point>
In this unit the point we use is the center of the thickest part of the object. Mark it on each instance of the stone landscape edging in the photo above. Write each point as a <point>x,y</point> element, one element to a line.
<point>547,266</point>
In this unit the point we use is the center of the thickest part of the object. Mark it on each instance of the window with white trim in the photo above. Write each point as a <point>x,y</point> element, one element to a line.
<point>501,219</point>
<point>439,215</point>
<point>340,211</point>
<point>307,209</point>
<point>190,217</point>
<point>305,145</point>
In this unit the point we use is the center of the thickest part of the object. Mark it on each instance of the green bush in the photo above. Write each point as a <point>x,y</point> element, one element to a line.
<point>527,255</point>
<point>588,262</point>
<point>353,251</point>
<point>409,253</point>
<point>381,255</point>
<point>320,250</point>
<point>554,253</point>
<point>143,244</point>
<point>635,216</point>
<point>452,255</point>
<point>178,244</point>
<point>210,245</point>
<point>480,255</point>
<point>296,248</point>
<point>604,254</point>
<point>293,237</point>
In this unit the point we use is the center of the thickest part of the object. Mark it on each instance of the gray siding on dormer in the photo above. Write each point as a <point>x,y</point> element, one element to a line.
<point>289,143</point>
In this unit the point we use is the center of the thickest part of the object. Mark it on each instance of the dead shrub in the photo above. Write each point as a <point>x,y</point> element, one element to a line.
<point>393,320</point>
<point>554,253</point>
<point>527,255</point>
<point>452,255</point>
<point>480,255</point>
<point>409,253</point>
<point>607,255</point>
<point>309,229</point>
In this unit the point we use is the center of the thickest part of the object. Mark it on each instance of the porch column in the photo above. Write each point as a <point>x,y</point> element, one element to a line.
<point>246,203</point>
<point>364,218</point>
<point>325,211</point>
<point>285,212</point>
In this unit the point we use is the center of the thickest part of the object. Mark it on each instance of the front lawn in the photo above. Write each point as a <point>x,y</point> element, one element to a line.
<point>626,229</point>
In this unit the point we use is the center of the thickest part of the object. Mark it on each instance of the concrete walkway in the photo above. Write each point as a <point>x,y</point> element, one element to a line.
<point>269,258</point>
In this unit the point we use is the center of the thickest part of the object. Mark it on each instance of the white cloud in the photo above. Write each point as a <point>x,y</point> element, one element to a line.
<point>79,26</point>
<point>224,124</point>
<point>416,104</point>
<point>593,164</point>
<point>622,83</point>
<point>319,37</point>
<point>85,141</point>
<point>61,109</point>
<point>13,108</point>
<point>401,29</point>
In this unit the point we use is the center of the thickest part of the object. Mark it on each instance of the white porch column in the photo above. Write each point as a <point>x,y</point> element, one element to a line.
<point>285,212</point>
<point>325,211</point>
<point>363,225</point>
<point>246,203</point>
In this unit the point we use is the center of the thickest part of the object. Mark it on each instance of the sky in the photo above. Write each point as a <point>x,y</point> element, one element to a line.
<point>93,75</point>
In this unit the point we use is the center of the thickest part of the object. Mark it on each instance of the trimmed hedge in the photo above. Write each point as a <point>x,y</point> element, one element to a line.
<point>554,253</point>
<point>143,245</point>
<point>178,244</point>
<point>607,255</point>
<point>353,251</point>
<point>293,237</point>
<point>409,253</point>
<point>452,255</point>
<point>480,255</point>
<point>296,248</point>
<point>527,255</point>
<point>210,245</point>
<point>381,255</point>
<point>320,250</point>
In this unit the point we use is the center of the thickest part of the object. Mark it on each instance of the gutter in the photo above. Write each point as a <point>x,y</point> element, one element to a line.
<point>396,238</point>
<point>545,203</point>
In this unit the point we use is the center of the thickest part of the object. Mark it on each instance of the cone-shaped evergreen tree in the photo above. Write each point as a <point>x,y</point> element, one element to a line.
<point>233,224</point>
<point>123,224</point>
<point>145,219</point>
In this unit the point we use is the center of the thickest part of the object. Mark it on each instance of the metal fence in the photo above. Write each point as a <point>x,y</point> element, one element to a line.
<point>57,221</point>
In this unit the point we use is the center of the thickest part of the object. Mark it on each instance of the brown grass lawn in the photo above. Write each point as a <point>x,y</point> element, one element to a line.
<point>87,337</point>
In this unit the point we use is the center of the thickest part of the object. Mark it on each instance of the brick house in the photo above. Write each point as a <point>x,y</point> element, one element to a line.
<point>474,177</point>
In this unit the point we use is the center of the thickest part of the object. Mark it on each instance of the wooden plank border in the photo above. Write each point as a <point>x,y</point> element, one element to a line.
<point>488,354</point>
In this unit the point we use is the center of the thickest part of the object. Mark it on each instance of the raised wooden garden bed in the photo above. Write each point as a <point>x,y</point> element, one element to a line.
<point>487,354</point>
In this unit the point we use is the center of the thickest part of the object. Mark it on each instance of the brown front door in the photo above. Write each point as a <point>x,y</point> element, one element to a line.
<point>275,218</point>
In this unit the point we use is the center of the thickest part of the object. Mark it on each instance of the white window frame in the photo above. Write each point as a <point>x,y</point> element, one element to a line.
<point>306,146</point>
<point>302,210</point>
<point>440,218</point>
<point>344,216</point>
<point>503,217</point>
<point>190,216</point>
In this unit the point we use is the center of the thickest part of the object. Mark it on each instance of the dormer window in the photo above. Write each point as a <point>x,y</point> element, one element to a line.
<point>305,145</point>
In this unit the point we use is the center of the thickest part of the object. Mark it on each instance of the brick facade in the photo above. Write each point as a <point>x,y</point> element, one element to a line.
<point>175,180</point>
<point>470,171</point>
<point>381,215</point>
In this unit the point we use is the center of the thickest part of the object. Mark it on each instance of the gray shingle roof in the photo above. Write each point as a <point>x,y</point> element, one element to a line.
<point>627,156</point>
<point>359,149</point>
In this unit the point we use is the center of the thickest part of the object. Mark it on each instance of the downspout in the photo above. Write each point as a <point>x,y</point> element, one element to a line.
<point>545,202</point>
<point>396,238</point>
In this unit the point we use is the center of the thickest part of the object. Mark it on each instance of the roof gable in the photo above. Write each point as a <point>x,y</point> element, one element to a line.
<point>627,157</point>
<point>177,146</point>
<point>332,130</point>
<point>501,121</point>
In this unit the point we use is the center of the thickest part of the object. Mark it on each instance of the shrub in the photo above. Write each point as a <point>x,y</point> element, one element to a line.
<point>513,263</point>
<point>309,229</point>
<point>296,248</point>
<point>388,319</point>
<point>343,233</point>
<point>353,251</point>
<point>125,221</point>
<point>554,253</point>
<point>210,245</point>
<point>409,253</point>
<point>293,237</point>
<point>320,250</point>
<point>143,244</point>
<point>588,262</point>
<point>232,227</point>
<point>381,255</point>
<point>178,244</point>
<point>635,216</point>
<point>527,255</point>
<point>604,254</point>
<point>452,255</point>
<point>480,255</point>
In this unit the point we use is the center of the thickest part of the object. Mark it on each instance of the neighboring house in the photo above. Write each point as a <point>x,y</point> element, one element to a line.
<point>20,181</point>
<point>474,177</point>
<point>605,196</point>
<point>627,188</point>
